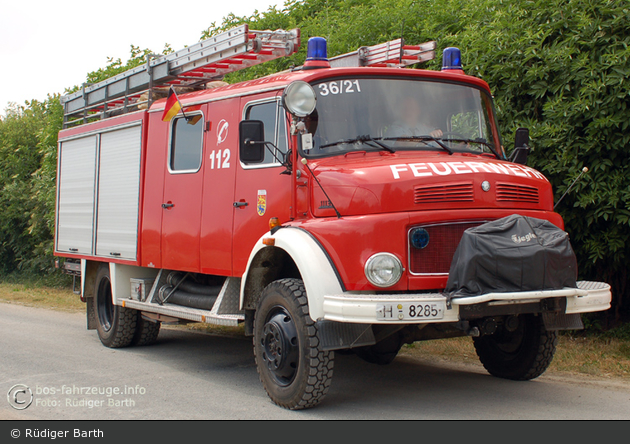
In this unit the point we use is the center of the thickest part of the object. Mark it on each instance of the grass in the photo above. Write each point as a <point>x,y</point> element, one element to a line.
<point>602,356</point>
<point>575,354</point>
<point>34,295</point>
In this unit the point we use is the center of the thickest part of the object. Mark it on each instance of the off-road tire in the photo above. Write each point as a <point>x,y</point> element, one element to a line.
<point>116,326</point>
<point>146,332</point>
<point>383,352</point>
<point>294,370</point>
<point>520,355</point>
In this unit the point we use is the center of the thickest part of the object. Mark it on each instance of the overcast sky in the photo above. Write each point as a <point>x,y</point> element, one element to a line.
<point>47,46</point>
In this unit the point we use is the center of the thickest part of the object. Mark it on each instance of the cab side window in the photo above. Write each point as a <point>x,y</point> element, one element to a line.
<point>186,144</point>
<point>273,117</point>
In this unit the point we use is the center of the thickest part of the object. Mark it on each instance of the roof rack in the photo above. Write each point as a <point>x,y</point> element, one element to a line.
<point>392,54</point>
<point>191,67</point>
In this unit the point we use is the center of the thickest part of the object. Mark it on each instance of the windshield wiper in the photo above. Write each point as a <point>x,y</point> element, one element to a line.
<point>368,138</point>
<point>424,139</point>
<point>479,141</point>
<point>362,139</point>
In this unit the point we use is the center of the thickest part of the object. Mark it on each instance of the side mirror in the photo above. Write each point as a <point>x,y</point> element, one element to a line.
<point>251,135</point>
<point>521,146</point>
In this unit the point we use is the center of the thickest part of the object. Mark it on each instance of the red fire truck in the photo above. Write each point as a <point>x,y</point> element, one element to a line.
<point>349,204</point>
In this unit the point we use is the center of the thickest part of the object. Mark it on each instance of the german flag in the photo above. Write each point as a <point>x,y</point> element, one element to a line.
<point>172,106</point>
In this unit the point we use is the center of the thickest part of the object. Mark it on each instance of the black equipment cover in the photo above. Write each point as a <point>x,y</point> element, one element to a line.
<point>515,253</point>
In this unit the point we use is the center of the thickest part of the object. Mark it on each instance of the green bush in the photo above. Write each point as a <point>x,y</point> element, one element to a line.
<point>28,162</point>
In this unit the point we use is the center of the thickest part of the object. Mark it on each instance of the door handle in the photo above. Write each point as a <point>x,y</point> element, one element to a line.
<point>168,205</point>
<point>240,204</point>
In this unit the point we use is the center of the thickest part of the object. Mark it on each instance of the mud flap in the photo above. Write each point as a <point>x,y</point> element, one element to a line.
<point>338,335</point>
<point>91,313</point>
<point>562,321</point>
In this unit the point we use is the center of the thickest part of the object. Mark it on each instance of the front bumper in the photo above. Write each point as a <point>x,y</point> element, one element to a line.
<point>393,309</point>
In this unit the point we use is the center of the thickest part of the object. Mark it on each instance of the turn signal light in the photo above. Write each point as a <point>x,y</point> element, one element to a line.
<point>273,223</point>
<point>269,241</point>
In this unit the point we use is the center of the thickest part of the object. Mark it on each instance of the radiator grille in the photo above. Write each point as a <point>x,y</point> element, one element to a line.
<point>458,192</point>
<point>507,192</point>
<point>436,257</point>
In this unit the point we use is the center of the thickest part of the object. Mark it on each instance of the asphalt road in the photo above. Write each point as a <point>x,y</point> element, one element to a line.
<point>191,375</point>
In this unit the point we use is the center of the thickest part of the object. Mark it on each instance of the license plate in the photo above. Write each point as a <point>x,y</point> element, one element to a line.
<point>411,311</point>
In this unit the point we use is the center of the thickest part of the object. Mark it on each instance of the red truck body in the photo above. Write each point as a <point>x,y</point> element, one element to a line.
<point>204,233</point>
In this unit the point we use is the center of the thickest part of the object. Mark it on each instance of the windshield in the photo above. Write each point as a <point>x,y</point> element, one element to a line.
<point>369,114</point>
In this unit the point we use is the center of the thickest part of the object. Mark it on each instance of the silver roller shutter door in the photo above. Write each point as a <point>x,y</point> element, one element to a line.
<point>75,223</point>
<point>118,194</point>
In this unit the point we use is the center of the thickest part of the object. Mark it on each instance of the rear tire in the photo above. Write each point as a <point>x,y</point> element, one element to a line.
<point>295,372</point>
<point>521,354</point>
<point>116,326</point>
<point>146,332</point>
<point>383,352</point>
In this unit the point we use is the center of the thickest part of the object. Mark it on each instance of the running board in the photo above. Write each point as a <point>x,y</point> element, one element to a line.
<point>225,310</point>
<point>181,312</point>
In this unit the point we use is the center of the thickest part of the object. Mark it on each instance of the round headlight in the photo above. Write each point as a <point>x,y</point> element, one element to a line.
<point>383,269</point>
<point>299,98</point>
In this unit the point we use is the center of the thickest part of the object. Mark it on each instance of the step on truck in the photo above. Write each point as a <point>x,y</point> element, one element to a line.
<point>351,204</point>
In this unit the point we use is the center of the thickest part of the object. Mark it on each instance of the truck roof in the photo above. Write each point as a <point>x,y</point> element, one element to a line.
<point>279,81</point>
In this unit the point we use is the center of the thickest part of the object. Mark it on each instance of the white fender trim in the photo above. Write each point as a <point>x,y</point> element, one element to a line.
<point>318,273</point>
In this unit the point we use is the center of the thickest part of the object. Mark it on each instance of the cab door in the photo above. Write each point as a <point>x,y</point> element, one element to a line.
<point>221,160</point>
<point>181,202</point>
<point>261,190</point>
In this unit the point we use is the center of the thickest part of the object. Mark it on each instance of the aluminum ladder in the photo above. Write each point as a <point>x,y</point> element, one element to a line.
<point>192,67</point>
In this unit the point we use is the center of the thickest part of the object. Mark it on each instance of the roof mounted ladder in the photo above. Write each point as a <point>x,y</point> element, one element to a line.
<point>392,54</point>
<point>192,67</point>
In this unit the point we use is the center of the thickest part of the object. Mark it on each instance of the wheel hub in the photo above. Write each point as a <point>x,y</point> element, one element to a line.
<point>280,346</point>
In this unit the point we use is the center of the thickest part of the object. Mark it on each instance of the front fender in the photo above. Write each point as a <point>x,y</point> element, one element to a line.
<point>315,266</point>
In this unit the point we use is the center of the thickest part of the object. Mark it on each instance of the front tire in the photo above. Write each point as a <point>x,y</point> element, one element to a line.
<point>116,326</point>
<point>521,353</point>
<point>295,372</point>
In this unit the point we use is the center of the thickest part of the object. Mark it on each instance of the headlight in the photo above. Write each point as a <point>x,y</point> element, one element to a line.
<point>383,269</point>
<point>299,98</point>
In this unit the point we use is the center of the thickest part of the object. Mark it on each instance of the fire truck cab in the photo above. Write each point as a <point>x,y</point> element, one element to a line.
<point>346,204</point>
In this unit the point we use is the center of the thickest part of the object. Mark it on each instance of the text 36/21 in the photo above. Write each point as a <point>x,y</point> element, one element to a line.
<point>339,87</point>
